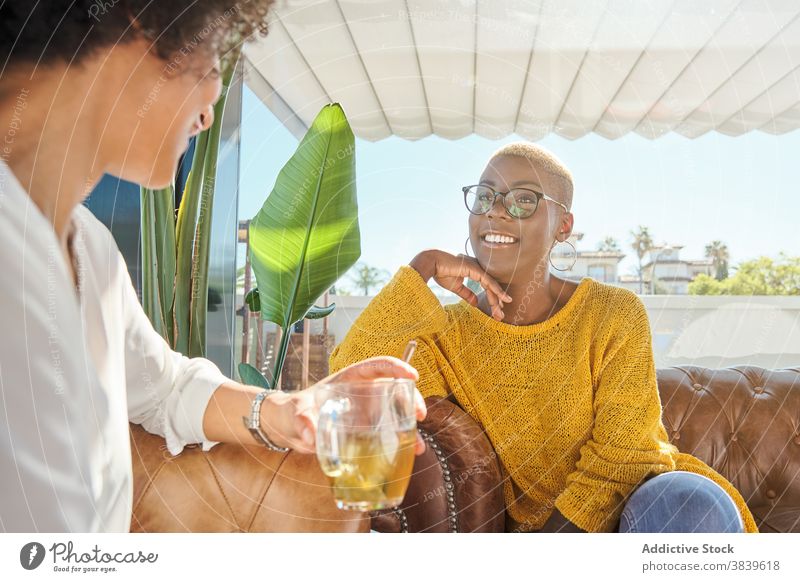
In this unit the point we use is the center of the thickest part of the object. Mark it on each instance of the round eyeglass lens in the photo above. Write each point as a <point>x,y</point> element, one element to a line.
<point>479,199</point>
<point>521,203</point>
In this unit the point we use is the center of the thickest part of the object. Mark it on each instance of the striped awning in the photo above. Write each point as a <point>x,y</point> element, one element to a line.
<point>533,67</point>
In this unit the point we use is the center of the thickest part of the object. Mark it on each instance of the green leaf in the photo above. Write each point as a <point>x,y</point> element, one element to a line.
<point>316,312</point>
<point>175,253</point>
<point>251,376</point>
<point>306,235</point>
<point>186,227</point>
<point>193,232</point>
<point>150,296</point>
<point>165,243</point>
<point>158,258</point>
<point>199,276</point>
<point>253,301</point>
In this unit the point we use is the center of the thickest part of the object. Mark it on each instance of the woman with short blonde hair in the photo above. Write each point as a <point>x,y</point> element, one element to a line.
<point>560,374</point>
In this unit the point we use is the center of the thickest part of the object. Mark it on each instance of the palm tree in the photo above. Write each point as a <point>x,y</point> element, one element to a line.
<point>717,251</point>
<point>365,277</point>
<point>642,242</point>
<point>608,245</point>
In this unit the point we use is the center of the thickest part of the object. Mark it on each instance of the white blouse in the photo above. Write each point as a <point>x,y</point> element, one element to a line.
<point>74,369</point>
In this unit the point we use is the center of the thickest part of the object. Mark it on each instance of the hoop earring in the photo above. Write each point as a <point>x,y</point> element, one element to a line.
<point>466,250</point>
<point>574,257</point>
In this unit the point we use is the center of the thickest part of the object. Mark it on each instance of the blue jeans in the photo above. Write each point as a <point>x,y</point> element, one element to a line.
<point>680,501</point>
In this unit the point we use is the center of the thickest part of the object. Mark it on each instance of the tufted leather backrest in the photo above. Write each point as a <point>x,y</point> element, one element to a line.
<point>456,484</point>
<point>744,422</point>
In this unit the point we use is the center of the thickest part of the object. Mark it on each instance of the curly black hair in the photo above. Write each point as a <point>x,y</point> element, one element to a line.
<point>46,31</point>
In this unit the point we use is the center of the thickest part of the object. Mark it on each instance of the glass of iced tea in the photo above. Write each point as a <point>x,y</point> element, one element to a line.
<point>365,441</point>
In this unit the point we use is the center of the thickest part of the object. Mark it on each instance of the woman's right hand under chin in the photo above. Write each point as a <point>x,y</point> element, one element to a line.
<point>449,271</point>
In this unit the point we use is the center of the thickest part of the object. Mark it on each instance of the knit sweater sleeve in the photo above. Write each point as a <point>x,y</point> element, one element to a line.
<point>627,441</point>
<point>405,309</point>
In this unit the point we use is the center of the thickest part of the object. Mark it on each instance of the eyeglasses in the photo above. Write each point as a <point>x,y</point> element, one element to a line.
<point>518,202</point>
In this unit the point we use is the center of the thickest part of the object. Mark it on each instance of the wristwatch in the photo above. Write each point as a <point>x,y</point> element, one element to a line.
<point>253,423</point>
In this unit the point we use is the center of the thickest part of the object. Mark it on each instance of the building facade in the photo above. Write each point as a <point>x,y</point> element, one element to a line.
<point>663,270</point>
<point>602,266</point>
<point>667,274</point>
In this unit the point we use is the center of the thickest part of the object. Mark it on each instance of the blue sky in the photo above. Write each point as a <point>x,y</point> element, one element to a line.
<point>744,191</point>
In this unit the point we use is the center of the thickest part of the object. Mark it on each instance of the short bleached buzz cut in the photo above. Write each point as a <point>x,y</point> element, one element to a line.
<point>541,160</point>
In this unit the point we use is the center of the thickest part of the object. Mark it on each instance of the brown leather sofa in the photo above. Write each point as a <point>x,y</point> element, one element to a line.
<point>231,489</point>
<point>743,421</point>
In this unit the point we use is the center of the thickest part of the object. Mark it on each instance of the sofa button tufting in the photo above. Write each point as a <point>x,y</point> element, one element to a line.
<point>758,389</point>
<point>771,494</point>
<point>797,440</point>
<point>676,436</point>
<point>697,387</point>
<point>734,437</point>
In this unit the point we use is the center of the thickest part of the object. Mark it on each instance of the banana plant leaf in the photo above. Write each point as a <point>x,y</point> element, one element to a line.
<point>314,312</point>
<point>250,375</point>
<point>306,234</point>
<point>252,300</point>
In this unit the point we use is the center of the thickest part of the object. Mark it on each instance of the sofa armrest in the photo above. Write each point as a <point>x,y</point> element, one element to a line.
<point>231,488</point>
<point>456,485</point>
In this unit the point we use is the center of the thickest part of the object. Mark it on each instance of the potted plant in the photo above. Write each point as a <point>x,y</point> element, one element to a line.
<point>301,241</point>
<point>306,235</point>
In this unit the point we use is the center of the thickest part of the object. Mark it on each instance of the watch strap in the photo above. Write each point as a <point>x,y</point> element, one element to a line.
<point>253,423</point>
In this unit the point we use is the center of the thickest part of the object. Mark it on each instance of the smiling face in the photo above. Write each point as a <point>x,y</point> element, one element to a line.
<point>512,250</point>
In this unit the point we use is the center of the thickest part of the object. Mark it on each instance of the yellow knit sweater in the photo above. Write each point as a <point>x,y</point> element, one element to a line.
<point>571,404</point>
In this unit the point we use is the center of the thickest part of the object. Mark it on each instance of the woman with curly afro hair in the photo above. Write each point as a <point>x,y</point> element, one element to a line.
<point>89,87</point>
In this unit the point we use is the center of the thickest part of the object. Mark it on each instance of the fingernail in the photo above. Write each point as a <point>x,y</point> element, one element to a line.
<point>507,297</point>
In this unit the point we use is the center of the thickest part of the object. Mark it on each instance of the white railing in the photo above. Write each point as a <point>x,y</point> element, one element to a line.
<point>711,331</point>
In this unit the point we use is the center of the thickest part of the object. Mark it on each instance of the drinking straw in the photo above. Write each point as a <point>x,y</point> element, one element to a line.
<point>409,353</point>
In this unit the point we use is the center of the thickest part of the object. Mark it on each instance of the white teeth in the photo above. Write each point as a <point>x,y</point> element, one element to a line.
<point>499,238</point>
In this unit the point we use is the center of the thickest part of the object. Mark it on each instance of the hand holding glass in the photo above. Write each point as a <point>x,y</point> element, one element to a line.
<point>365,441</point>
